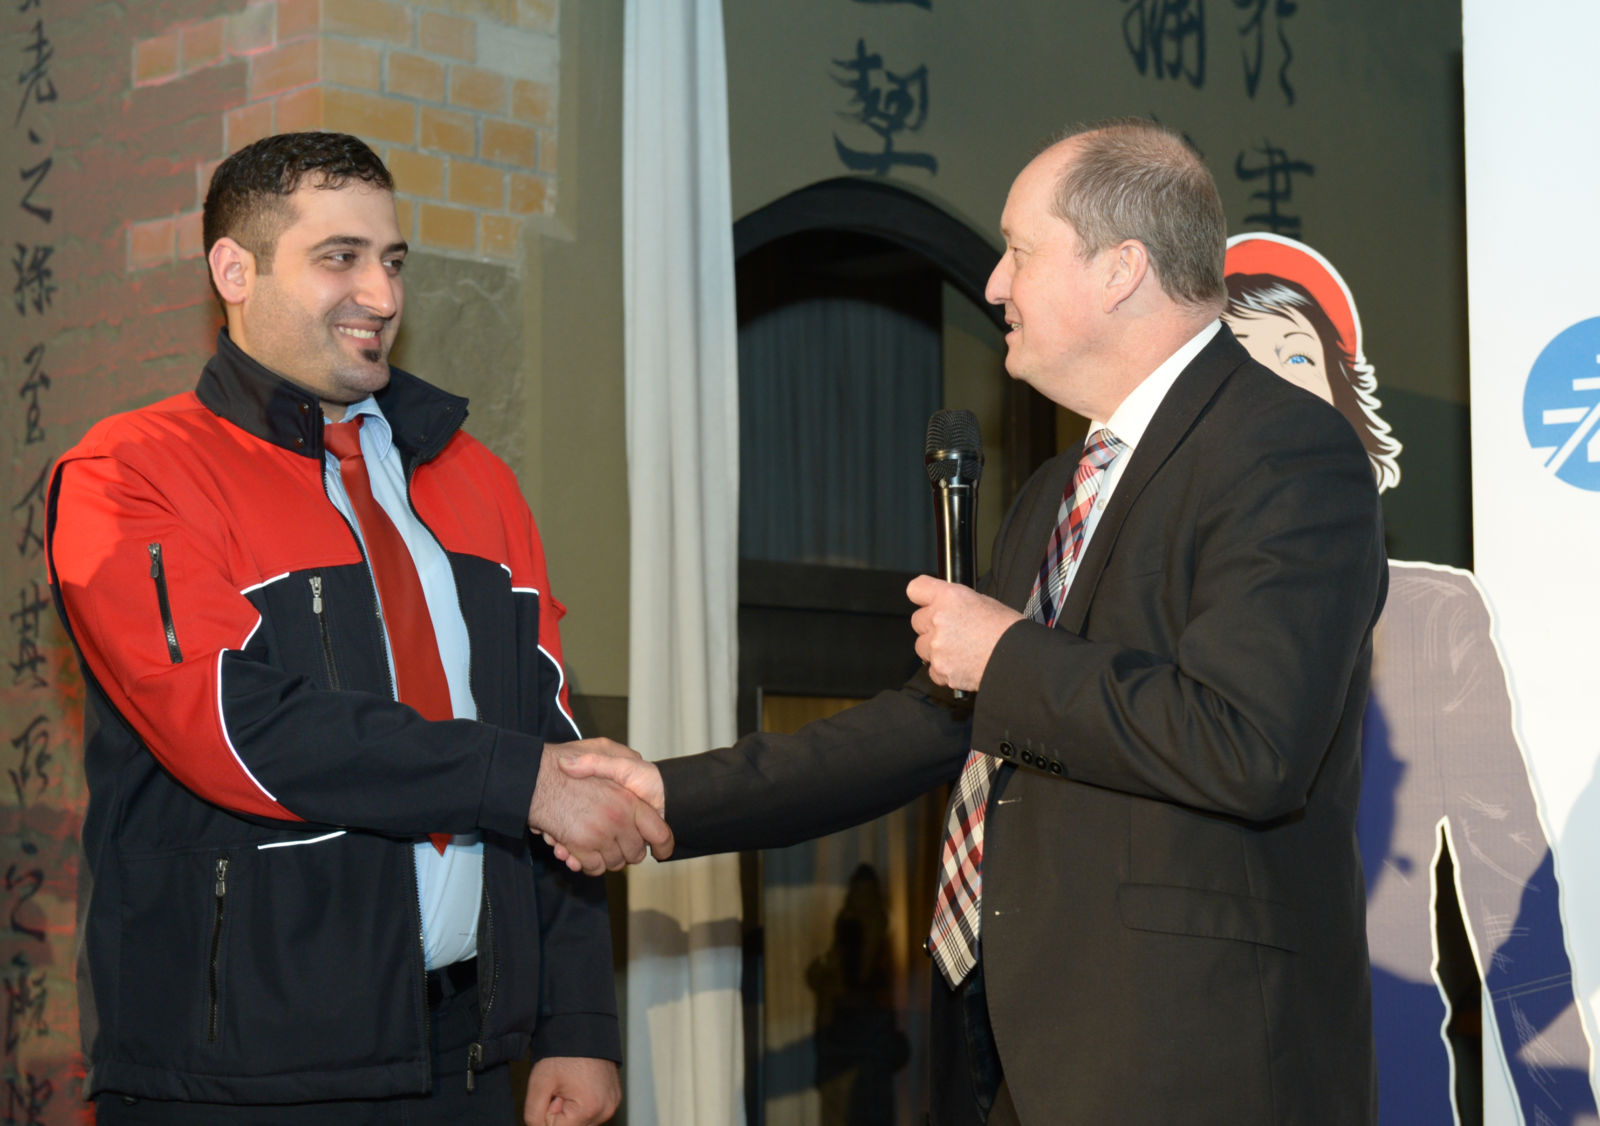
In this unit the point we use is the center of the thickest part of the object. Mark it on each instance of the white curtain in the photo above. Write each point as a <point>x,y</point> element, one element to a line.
<point>1533,237</point>
<point>685,1053</point>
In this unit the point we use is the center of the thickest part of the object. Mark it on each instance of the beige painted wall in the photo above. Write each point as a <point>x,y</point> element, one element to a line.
<point>537,346</point>
<point>576,478</point>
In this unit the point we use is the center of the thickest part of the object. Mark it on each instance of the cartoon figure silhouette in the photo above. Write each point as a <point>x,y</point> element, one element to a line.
<point>1440,758</point>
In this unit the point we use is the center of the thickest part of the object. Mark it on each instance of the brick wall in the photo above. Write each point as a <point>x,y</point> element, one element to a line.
<point>457,96</point>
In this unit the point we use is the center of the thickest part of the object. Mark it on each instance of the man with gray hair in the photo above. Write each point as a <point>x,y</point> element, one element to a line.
<point>1151,901</point>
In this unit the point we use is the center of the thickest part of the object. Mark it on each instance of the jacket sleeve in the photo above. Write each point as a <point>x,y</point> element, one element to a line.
<point>171,651</point>
<point>577,987</point>
<point>1220,682</point>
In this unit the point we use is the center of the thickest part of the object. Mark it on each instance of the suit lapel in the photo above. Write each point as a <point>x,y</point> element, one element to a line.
<point>1174,418</point>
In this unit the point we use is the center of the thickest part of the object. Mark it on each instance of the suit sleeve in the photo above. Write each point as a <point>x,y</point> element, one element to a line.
<point>771,790</point>
<point>1273,576</point>
<point>172,653</point>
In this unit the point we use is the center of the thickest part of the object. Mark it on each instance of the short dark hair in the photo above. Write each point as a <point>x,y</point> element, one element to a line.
<point>1136,179</point>
<point>248,200</point>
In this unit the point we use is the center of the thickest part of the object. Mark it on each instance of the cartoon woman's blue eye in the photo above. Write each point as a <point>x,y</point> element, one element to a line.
<point>1299,358</point>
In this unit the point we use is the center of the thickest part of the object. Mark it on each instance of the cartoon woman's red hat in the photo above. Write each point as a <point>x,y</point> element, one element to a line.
<point>1259,252</point>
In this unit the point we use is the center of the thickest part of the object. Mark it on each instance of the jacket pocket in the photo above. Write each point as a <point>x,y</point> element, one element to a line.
<point>158,574</point>
<point>163,1002</point>
<point>250,972</point>
<point>1208,914</point>
<point>213,978</point>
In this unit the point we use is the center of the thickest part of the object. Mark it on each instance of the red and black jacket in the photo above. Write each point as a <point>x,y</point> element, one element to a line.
<point>252,931</point>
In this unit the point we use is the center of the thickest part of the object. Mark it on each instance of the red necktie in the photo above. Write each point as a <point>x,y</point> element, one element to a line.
<point>419,674</point>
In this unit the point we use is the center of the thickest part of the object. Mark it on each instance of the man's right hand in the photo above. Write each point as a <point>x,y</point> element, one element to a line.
<point>610,763</point>
<point>599,824</point>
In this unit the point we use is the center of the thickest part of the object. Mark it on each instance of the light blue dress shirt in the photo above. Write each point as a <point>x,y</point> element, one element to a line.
<point>449,886</point>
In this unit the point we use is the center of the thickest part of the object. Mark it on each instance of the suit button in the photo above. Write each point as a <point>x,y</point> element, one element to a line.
<point>1055,768</point>
<point>1007,750</point>
<point>1027,758</point>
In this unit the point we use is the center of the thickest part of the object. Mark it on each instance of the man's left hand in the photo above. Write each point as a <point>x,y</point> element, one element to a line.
<point>571,1091</point>
<point>957,630</point>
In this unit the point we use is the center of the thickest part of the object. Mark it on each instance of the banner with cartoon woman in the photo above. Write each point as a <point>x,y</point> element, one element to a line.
<point>1441,760</point>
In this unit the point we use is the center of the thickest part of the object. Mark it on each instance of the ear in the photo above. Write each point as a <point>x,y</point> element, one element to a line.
<point>233,270</point>
<point>1129,262</point>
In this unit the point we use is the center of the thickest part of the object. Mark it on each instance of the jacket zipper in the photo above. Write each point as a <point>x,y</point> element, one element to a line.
<point>160,576</point>
<point>422,953</point>
<point>216,946</point>
<point>486,960</point>
<point>411,471</point>
<point>486,996</point>
<point>474,1051</point>
<point>322,628</point>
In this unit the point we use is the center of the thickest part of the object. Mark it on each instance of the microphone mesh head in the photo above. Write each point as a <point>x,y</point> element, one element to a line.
<point>954,448</point>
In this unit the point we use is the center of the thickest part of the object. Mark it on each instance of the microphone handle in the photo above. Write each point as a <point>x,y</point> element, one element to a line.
<point>955,507</point>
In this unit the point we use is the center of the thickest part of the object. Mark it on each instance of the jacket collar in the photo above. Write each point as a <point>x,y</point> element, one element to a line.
<point>262,403</point>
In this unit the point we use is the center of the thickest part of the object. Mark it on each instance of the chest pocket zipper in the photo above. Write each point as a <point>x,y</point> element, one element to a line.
<point>322,630</point>
<point>159,575</point>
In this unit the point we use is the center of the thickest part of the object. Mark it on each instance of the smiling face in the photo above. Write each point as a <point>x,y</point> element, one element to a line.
<point>1050,292</point>
<point>1285,342</point>
<point>326,314</point>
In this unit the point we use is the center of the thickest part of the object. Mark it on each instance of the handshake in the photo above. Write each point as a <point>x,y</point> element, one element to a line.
<point>599,805</point>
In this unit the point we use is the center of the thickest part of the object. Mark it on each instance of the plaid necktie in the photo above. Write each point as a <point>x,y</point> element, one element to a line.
<point>953,941</point>
<point>419,674</point>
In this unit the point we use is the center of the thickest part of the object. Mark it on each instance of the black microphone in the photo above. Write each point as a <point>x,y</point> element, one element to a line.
<point>953,456</point>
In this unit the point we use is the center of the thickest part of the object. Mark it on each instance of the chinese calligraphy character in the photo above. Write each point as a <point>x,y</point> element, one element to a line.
<point>25,1000</point>
<point>1278,172</point>
<point>31,881</point>
<point>33,747</point>
<point>1252,35</point>
<point>30,658</point>
<point>894,104</point>
<point>37,85</point>
<point>32,503</point>
<point>33,177</point>
<point>34,278</point>
<point>26,1099</point>
<point>36,383</point>
<point>1167,37</point>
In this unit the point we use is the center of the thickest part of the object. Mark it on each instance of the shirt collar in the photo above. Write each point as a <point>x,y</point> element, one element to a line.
<point>376,437</point>
<point>1130,420</point>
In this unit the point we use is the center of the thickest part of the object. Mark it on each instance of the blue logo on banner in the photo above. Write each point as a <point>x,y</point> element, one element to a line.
<point>1561,405</point>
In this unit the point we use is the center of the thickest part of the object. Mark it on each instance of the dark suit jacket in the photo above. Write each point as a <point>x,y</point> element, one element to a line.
<point>1173,906</point>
